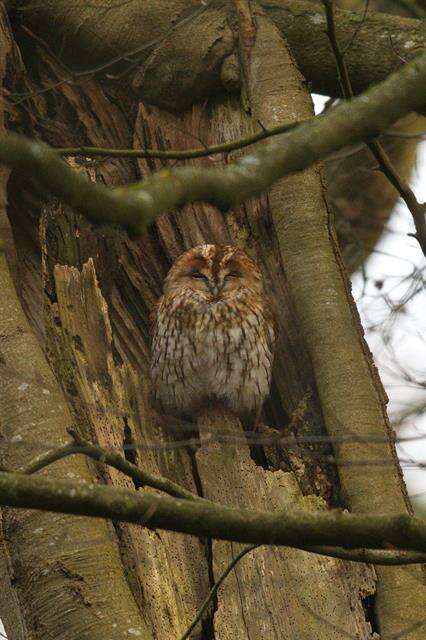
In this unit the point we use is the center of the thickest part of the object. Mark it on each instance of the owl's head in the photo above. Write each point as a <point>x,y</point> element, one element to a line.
<point>214,270</point>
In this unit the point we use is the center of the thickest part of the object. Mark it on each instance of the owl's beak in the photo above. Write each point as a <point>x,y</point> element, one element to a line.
<point>214,288</point>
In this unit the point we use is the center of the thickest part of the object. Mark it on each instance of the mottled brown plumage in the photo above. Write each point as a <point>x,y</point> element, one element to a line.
<point>213,334</point>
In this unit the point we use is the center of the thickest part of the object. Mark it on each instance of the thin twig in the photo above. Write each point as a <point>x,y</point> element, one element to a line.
<point>79,446</point>
<point>136,206</point>
<point>358,28</point>
<point>214,589</point>
<point>370,556</point>
<point>179,154</point>
<point>417,209</point>
<point>246,439</point>
<point>200,152</point>
<point>421,135</point>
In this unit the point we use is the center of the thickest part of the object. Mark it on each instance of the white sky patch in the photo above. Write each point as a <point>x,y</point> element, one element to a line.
<point>402,361</point>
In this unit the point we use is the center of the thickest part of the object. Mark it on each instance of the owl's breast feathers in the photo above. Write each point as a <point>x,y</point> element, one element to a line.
<point>205,349</point>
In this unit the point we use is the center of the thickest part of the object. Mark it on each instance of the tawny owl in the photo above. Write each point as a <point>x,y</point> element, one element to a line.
<point>213,334</point>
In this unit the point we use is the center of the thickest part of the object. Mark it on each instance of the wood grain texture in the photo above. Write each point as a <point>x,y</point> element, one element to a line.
<point>96,322</point>
<point>165,570</point>
<point>274,592</point>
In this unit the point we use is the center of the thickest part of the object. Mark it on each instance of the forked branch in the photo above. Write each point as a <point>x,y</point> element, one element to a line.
<point>417,209</point>
<point>136,206</point>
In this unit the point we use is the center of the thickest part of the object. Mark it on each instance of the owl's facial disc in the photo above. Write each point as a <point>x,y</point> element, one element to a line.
<point>225,280</point>
<point>214,271</point>
<point>204,282</point>
<point>232,280</point>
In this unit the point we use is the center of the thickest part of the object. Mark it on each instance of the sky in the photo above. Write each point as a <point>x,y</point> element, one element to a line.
<point>398,339</point>
<point>402,360</point>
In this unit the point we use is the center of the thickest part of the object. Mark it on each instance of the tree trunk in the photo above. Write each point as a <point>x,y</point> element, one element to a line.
<point>88,292</point>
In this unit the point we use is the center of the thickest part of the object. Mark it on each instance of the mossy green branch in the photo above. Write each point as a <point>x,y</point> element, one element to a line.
<point>136,206</point>
<point>79,446</point>
<point>204,519</point>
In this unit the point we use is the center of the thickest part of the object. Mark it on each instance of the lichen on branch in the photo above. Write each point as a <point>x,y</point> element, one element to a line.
<point>136,206</point>
<point>204,519</point>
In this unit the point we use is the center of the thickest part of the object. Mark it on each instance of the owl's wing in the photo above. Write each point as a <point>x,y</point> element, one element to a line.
<point>153,317</point>
<point>271,319</point>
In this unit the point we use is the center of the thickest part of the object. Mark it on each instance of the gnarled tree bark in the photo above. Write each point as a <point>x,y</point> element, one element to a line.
<point>90,304</point>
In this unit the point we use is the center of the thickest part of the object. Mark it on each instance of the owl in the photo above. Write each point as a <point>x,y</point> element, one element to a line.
<point>213,335</point>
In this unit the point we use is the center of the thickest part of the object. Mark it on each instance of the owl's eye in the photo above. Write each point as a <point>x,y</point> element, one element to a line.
<point>198,275</point>
<point>233,274</point>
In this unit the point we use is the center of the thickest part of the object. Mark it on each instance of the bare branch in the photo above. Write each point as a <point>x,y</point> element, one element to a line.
<point>176,154</point>
<point>83,447</point>
<point>417,210</point>
<point>370,556</point>
<point>136,206</point>
<point>202,152</point>
<point>79,446</point>
<point>249,438</point>
<point>202,518</point>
